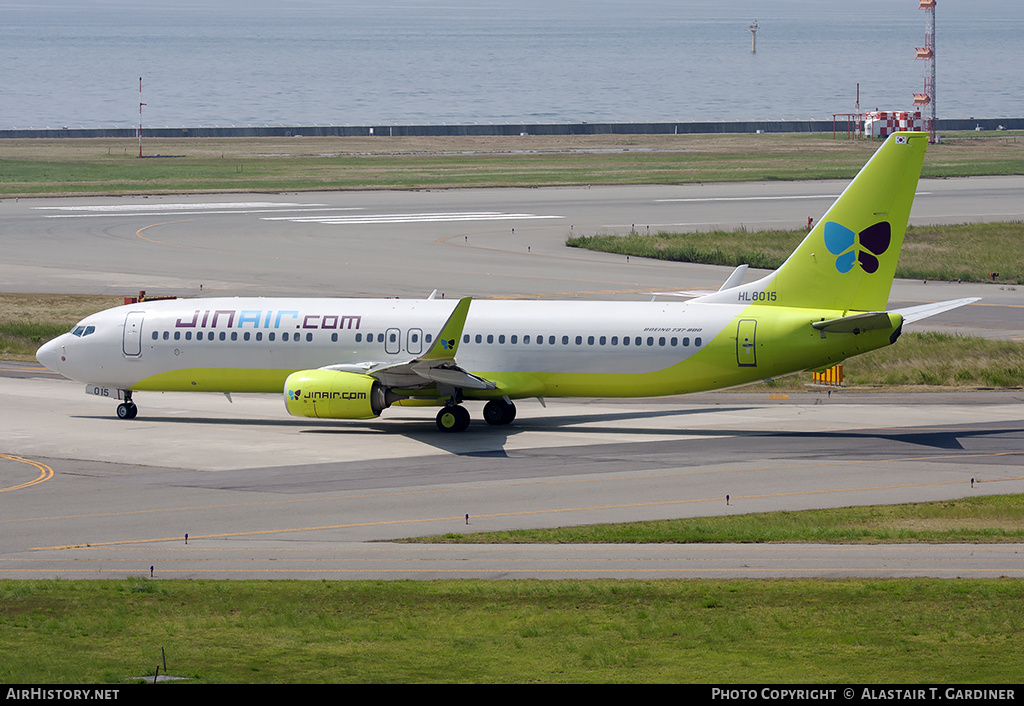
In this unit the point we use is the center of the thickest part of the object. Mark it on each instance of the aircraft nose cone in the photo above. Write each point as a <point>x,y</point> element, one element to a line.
<point>51,353</point>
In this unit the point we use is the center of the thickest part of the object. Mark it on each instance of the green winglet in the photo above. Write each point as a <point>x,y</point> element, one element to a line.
<point>446,344</point>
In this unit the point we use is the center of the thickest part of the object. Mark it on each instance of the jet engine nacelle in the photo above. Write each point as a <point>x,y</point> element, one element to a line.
<point>329,394</point>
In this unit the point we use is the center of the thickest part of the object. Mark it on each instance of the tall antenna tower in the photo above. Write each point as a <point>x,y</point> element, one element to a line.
<point>927,53</point>
<point>753,38</point>
<point>140,115</point>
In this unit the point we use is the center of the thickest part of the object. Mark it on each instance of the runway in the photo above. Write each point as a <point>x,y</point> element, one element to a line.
<point>264,495</point>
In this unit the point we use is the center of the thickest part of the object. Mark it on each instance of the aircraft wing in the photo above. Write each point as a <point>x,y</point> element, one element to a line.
<point>435,367</point>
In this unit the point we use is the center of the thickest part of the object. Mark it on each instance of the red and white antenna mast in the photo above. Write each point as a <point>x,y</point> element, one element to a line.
<point>140,115</point>
<point>927,53</point>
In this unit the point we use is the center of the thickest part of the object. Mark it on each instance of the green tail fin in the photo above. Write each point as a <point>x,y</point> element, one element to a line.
<point>848,261</point>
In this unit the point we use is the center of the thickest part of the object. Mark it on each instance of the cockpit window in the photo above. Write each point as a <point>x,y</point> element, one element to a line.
<point>83,330</point>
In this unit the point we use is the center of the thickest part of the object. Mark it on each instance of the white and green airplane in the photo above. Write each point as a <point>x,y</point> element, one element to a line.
<point>354,358</point>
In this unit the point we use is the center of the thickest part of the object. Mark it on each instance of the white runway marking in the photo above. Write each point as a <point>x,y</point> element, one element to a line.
<point>412,218</point>
<point>235,205</point>
<point>181,209</point>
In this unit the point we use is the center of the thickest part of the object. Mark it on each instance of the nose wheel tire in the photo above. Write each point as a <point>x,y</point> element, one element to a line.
<point>453,419</point>
<point>127,410</point>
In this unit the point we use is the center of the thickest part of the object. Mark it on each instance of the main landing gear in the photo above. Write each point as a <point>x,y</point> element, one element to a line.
<point>454,418</point>
<point>499,412</point>
<point>127,409</point>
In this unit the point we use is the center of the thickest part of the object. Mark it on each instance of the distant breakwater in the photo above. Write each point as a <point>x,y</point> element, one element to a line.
<point>707,128</point>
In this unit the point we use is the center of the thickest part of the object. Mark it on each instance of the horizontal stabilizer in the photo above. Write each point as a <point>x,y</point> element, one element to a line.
<point>916,313</point>
<point>855,324</point>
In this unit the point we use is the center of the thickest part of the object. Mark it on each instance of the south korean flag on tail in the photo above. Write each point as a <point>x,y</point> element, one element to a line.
<point>901,139</point>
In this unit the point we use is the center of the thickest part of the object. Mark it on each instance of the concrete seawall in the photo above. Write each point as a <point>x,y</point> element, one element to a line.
<point>782,126</point>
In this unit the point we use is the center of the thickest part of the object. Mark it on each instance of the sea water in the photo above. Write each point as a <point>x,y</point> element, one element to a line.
<point>319,62</point>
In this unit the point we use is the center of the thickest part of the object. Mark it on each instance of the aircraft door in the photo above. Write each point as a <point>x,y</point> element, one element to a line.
<point>746,348</point>
<point>393,341</point>
<point>132,345</point>
<point>414,341</point>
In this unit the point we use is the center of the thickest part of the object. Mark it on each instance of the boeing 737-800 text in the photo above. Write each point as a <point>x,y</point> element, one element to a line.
<point>354,358</point>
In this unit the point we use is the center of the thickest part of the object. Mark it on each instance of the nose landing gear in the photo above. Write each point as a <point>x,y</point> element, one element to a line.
<point>127,409</point>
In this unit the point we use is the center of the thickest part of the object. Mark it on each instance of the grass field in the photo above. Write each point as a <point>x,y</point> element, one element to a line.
<point>734,632</point>
<point>110,166</point>
<point>29,320</point>
<point>943,252</point>
<point>985,520</point>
